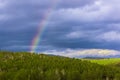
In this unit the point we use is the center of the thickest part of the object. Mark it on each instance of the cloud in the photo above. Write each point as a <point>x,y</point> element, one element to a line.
<point>85,24</point>
<point>86,53</point>
<point>74,35</point>
<point>111,36</point>
<point>98,11</point>
<point>74,3</point>
<point>3,4</point>
<point>89,13</point>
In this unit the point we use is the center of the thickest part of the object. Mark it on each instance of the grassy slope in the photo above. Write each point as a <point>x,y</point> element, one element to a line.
<point>27,66</point>
<point>105,61</point>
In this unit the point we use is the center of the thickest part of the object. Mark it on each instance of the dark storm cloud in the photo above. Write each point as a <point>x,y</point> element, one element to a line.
<point>83,24</point>
<point>85,36</point>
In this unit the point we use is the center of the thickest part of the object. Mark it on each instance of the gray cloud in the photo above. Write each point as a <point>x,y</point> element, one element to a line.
<point>74,24</point>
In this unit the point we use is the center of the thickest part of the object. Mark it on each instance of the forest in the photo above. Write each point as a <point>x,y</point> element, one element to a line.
<point>32,66</point>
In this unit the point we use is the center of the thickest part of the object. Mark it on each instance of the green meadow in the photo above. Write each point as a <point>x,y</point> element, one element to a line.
<point>108,61</point>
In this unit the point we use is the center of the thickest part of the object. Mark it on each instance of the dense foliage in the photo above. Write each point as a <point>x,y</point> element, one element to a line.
<point>27,66</point>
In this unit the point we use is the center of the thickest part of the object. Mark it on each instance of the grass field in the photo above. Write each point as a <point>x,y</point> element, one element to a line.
<point>105,61</point>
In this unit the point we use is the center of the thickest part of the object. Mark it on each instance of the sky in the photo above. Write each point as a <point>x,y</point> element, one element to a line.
<point>73,28</point>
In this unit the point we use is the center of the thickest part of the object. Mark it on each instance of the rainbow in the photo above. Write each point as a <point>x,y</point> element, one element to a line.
<point>41,28</point>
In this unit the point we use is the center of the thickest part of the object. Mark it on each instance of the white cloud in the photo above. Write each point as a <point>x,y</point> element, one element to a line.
<point>85,53</point>
<point>109,36</point>
<point>94,12</point>
<point>3,4</point>
<point>100,10</point>
<point>74,35</point>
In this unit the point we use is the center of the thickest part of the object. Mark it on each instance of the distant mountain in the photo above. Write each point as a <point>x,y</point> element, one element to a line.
<point>93,58</point>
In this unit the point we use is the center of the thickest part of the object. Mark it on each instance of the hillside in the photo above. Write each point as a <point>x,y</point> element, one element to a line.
<point>27,66</point>
<point>105,61</point>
